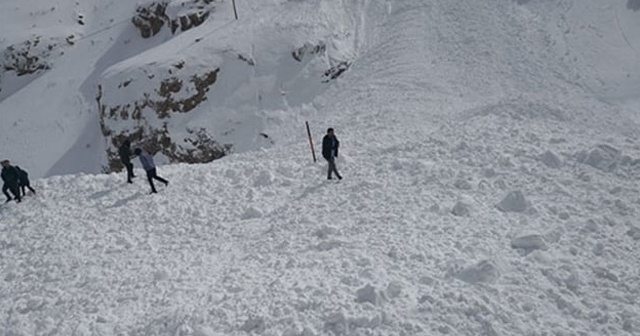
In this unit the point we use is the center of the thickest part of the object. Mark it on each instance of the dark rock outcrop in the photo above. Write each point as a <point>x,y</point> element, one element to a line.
<point>308,49</point>
<point>151,18</point>
<point>145,121</point>
<point>28,57</point>
<point>320,48</point>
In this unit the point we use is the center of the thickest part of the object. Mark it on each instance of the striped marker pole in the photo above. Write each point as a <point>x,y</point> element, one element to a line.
<point>313,152</point>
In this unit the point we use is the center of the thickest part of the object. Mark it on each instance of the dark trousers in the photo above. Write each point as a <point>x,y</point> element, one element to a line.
<point>26,185</point>
<point>15,190</point>
<point>151,175</point>
<point>129,166</point>
<point>333,169</point>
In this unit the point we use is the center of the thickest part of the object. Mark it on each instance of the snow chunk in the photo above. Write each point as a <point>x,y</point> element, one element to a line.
<point>462,184</point>
<point>604,273</point>
<point>603,157</point>
<point>336,323</point>
<point>513,202</point>
<point>529,243</point>
<point>634,233</point>
<point>325,231</point>
<point>265,178</point>
<point>394,289</point>
<point>251,213</point>
<point>461,209</point>
<point>205,331</point>
<point>489,172</point>
<point>254,324</point>
<point>482,272</point>
<point>551,160</point>
<point>160,275</point>
<point>307,332</point>
<point>434,208</point>
<point>328,245</point>
<point>367,294</point>
<point>124,242</point>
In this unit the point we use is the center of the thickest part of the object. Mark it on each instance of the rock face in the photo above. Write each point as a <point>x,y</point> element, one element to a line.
<point>336,70</point>
<point>308,49</point>
<point>338,67</point>
<point>25,61</point>
<point>198,109</point>
<point>146,120</point>
<point>149,118</point>
<point>27,58</point>
<point>151,18</point>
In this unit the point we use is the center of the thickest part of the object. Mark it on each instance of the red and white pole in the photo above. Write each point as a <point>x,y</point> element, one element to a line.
<point>313,152</point>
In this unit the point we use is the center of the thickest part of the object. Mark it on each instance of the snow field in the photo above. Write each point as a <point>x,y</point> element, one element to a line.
<point>490,189</point>
<point>258,244</point>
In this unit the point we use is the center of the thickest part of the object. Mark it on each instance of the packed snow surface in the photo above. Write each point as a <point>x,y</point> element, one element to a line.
<point>490,154</point>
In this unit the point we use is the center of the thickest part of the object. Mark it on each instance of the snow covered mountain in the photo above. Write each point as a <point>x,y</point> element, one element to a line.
<point>490,151</point>
<point>187,81</point>
<point>180,78</point>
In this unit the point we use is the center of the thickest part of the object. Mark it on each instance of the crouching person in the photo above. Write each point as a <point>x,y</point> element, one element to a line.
<point>23,181</point>
<point>10,179</point>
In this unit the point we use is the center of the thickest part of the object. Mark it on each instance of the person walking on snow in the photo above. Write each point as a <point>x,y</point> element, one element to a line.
<point>330,146</point>
<point>24,182</point>
<point>147,163</point>
<point>11,178</point>
<point>125,158</point>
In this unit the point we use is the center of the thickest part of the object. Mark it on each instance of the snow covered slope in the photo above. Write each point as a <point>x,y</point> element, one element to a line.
<point>426,236</point>
<point>202,84</point>
<point>490,153</point>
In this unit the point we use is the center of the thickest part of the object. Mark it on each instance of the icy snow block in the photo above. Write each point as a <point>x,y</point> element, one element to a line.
<point>529,243</point>
<point>551,160</point>
<point>324,232</point>
<point>634,233</point>
<point>463,184</point>
<point>336,323</point>
<point>604,158</point>
<point>394,289</point>
<point>460,209</point>
<point>254,324</point>
<point>251,213</point>
<point>513,202</point>
<point>264,178</point>
<point>482,272</point>
<point>367,294</point>
<point>604,273</point>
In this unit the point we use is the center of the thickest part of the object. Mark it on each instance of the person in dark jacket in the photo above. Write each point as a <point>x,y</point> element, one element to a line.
<point>147,163</point>
<point>330,145</point>
<point>23,181</point>
<point>125,157</point>
<point>11,178</point>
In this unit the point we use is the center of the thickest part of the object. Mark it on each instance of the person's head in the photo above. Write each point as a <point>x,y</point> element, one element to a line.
<point>330,131</point>
<point>127,142</point>
<point>6,163</point>
<point>137,151</point>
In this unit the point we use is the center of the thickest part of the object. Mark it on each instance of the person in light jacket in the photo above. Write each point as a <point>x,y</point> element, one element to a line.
<point>330,145</point>
<point>146,161</point>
